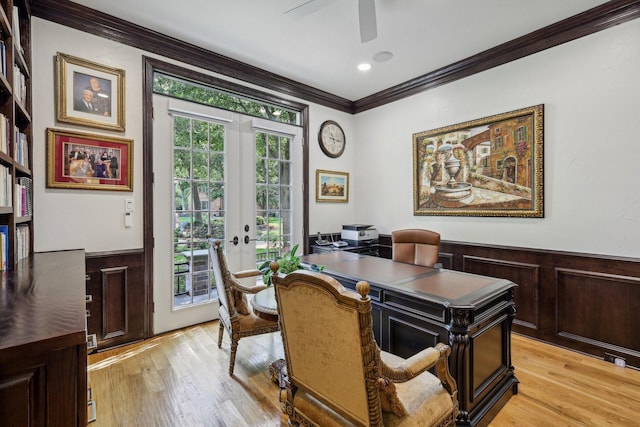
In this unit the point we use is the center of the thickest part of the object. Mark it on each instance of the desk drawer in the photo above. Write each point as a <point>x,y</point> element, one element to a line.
<point>420,308</point>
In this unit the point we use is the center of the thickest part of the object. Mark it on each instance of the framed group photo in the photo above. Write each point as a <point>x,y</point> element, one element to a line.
<point>332,186</point>
<point>89,94</point>
<point>84,161</point>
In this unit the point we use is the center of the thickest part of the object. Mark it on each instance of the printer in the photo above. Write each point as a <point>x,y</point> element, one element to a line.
<point>359,234</point>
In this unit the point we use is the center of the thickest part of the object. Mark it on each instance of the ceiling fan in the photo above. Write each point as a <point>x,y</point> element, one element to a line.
<point>366,15</point>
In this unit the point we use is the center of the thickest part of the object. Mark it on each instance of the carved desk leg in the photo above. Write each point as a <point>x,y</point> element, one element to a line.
<point>459,341</point>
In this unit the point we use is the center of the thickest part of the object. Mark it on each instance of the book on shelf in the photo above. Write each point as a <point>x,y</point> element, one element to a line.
<point>23,245</point>
<point>21,149</point>
<point>6,189</point>
<point>4,134</point>
<point>4,247</point>
<point>24,196</point>
<point>16,28</point>
<point>3,58</point>
<point>19,85</point>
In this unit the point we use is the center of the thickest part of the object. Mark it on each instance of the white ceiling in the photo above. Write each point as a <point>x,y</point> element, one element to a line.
<point>319,43</point>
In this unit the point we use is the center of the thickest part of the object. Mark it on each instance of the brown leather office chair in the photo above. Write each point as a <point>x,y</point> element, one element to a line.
<point>337,375</point>
<point>234,313</point>
<point>416,246</point>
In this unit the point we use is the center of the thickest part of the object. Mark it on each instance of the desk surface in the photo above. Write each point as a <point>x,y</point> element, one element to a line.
<point>448,287</point>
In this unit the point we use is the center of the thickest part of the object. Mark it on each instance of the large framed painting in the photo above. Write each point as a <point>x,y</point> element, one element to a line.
<point>88,162</point>
<point>89,94</point>
<point>491,166</point>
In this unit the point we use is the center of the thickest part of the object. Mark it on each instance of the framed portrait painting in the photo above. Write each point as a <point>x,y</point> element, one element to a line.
<point>491,166</point>
<point>332,186</point>
<point>84,161</point>
<point>89,94</point>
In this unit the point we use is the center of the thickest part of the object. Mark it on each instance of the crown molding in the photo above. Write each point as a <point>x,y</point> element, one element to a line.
<point>85,19</point>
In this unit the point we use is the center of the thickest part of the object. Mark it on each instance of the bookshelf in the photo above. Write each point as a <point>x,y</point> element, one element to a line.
<point>16,138</point>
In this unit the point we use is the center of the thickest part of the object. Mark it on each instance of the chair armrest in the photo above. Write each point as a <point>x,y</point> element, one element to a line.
<point>248,273</point>
<point>235,283</point>
<point>437,356</point>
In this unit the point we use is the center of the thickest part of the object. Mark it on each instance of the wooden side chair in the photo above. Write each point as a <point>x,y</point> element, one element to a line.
<point>415,246</point>
<point>235,315</point>
<point>337,375</point>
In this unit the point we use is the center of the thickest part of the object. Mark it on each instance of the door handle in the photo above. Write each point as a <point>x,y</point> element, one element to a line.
<point>235,241</point>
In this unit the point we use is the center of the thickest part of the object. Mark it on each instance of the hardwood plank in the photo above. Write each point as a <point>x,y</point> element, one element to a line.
<point>180,378</point>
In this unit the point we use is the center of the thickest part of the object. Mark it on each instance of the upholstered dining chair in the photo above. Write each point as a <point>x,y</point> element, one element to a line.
<point>415,246</point>
<point>235,315</point>
<point>337,375</point>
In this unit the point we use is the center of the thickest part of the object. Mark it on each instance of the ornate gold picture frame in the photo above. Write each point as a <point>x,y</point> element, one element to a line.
<point>486,167</point>
<point>332,186</point>
<point>89,94</point>
<point>88,162</point>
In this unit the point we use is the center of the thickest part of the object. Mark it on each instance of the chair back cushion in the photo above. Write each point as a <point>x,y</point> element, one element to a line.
<point>219,264</point>
<point>416,246</point>
<point>326,353</point>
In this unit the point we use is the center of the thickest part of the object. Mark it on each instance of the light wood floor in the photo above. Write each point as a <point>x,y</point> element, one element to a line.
<point>180,379</point>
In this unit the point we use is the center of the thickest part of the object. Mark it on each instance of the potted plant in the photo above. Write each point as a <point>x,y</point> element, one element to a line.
<point>287,263</point>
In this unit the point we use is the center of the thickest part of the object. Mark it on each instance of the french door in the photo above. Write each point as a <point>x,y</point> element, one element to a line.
<point>221,174</point>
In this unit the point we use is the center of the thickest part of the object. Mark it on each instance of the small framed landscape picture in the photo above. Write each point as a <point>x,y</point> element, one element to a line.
<point>332,186</point>
<point>88,162</point>
<point>89,94</point>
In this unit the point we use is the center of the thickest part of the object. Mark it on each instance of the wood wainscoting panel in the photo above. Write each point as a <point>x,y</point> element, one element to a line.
<point>525,275</point>
<point>114,309</point>
<point>117,311</point>
<point>598,310</point>
<point>584,302</point>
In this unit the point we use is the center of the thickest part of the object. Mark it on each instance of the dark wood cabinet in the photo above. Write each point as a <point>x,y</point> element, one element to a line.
<point>43,351</point>
<point>116,298</point>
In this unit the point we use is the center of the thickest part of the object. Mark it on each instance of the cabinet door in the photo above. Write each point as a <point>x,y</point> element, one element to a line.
<point>117,311</point>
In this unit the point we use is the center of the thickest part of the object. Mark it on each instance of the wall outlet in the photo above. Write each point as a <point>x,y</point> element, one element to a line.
<point>619,361</point>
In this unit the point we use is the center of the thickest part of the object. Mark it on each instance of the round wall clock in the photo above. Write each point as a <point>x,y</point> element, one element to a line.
<point>331,138</point>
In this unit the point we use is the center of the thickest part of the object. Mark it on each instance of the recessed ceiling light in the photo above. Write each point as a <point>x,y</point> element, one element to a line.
<point>365,66</point>
<point>383,56</point>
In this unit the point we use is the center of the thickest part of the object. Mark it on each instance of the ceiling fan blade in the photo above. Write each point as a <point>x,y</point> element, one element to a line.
<point>307,7</point>
<point>367,19</point>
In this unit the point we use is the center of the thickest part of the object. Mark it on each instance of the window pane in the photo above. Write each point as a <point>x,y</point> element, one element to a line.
<point>274,198</point>
<point>284,173</point>
<point>261,171</point>
<point>181,132</point>
<point>274,172</point>
<point>216,167</point>
<point>200,165</point>
<point>273,146</point>
<point>261,149</point>
<point>216,135</point>
<point>200,137</point>
<point>261,197</point>
<point>216,197</point>
<point>285,144</point>
<point>285,200</point>
<point>182,164</point>
<point>207,95</point>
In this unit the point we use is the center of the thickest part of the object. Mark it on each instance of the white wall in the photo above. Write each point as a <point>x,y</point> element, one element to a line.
<point>94,220</point>
<point>591,94</point>
<point>591,91</point>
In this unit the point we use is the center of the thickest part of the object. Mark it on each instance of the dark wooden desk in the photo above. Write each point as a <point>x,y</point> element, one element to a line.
<point>416,307</point>
<point>43,342</point>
